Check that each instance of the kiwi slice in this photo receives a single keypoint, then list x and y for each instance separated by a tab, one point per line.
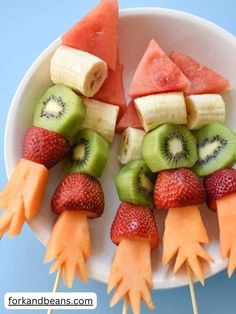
89	155
135	183
169	146
216	146
60	110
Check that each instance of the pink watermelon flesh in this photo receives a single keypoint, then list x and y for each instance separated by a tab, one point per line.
129	119
112	90
203	80
156	73
97	32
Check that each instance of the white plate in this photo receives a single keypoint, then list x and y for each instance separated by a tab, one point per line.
173	30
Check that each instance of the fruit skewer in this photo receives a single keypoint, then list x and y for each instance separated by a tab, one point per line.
61	111
216	150
173	138
181	190
45	144
135	232
77	198
170	150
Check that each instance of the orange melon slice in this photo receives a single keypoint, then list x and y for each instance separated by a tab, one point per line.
226	211
131	274
22	196
69	245
184	231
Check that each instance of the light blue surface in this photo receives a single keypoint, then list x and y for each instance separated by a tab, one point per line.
26	28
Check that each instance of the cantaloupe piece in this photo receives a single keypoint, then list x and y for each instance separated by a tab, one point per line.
184	231
69	245
22	196
226	211
131	274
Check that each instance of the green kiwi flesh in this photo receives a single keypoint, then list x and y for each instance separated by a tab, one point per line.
60	110
216	146
135	183
169	146
89	155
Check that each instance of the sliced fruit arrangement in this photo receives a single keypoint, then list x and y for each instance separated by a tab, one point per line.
154	110
135	232
56	119
203	80
221	197
216	146
169	146
169	95
131	145
182	191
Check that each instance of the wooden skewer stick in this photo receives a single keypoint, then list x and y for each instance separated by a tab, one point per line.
192	290
125	306
56	286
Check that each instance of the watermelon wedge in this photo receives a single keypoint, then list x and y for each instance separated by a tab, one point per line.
97	32
156	73
129	119
203	80
112	90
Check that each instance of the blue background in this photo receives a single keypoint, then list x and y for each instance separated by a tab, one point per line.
26	28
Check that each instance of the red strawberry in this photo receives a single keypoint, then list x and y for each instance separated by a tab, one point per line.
178	188
44	147
79	191
218	184
134	221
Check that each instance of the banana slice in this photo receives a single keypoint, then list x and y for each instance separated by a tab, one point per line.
154	110
78	69
131	145
204	109
100	117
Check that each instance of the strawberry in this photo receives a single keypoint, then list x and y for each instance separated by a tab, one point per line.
134	221
44	147
218	184
79	191
178	188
